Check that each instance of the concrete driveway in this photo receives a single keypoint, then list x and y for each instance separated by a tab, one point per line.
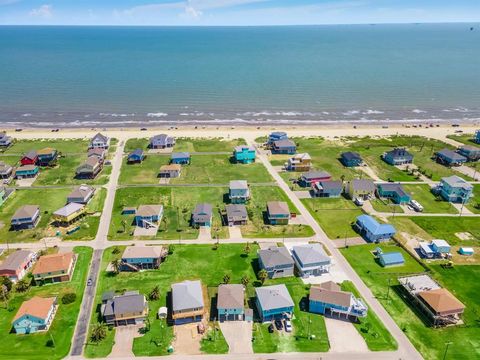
238	335
344	337
124	336
187	339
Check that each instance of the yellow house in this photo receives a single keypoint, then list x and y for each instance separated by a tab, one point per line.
69	213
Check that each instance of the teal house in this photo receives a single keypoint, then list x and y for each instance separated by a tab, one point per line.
273	303
477	137
454	189
26	171
395	192
35	315
231	302
398	156
182	158
244	154
238	192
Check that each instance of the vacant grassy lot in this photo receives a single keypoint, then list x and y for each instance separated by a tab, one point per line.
430	203
334	215
11	160
325	156
204	169
258	226
386	206
371	327
34	346
474	204
64	173
464	139
190	145
178	202
49	201
64	146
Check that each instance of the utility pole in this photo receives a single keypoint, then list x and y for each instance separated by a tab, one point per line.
447	344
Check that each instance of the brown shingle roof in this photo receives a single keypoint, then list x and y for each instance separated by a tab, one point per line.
330	285
52	263
277	207
341	298
230	296
45	151
441	300
36	306
26	211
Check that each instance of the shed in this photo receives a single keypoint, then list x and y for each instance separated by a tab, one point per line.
162	312
466	251
391	259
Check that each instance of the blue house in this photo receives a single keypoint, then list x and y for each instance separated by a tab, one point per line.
136	258
392	191
231	302
273	302
5	140
277	261
372	230
276	136
398	156
390	258
477	137
437	248
148	215
182	158
472	153
239	192
351	159
454	189
285	146
329	189
278	213
35	315
136	156
449	158
46	156
328	299
26	171
244	154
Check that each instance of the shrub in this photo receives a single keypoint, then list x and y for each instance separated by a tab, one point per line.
69	298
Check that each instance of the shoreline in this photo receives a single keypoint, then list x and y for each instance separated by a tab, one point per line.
248	132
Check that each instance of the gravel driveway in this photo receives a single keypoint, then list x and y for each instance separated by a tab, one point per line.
238	335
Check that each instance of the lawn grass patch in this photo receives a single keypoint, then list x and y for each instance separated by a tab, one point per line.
144	173
178	202
33	346
334	215
386	206
474	203
467	139
258	226
207	145
431	203
447	227
64	146
214	342
371	328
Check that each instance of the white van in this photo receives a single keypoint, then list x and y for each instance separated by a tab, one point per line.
416	206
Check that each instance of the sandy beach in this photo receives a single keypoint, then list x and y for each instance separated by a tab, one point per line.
248	133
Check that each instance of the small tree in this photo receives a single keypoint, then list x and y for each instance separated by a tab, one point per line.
99	332
245	281
124	225
22	286
155	293
4	295
7	282
226	279
171	249
116	250
69	298
262	275
116	265
247	248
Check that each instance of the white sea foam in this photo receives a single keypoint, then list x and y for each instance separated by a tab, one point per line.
372	112
157	114
351	112
26	115
418	111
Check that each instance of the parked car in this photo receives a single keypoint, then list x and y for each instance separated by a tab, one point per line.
279	324
271	328
416	205
358	201
288	326
89	282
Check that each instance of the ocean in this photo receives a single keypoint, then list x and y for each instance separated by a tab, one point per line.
139	76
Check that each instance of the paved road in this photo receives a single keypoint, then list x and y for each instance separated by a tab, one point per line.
81	330
405	347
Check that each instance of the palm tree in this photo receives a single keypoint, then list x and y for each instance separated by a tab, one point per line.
246	249
124	225
4	295
99	332
116	265
262	275
245	281
155	293
22	285
226	279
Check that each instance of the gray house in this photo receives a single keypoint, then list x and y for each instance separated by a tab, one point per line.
274	302
131	308
27	217
161	141
81	194
311	260
236	214
187	302
239	192
99	141
277	261
5	170
202	215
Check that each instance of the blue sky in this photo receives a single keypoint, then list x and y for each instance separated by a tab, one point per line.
235	12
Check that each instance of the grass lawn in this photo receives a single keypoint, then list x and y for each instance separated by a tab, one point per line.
474	204
430	203
325	156
334	215
258	226
64	146
190	145
429	341
214	342
64	173
204	169
371	327
89	224
447	227
178	203
464	139
56	199
386	206
11	160
186	262
33	346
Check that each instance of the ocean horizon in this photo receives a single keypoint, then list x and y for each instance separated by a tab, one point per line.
111	76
